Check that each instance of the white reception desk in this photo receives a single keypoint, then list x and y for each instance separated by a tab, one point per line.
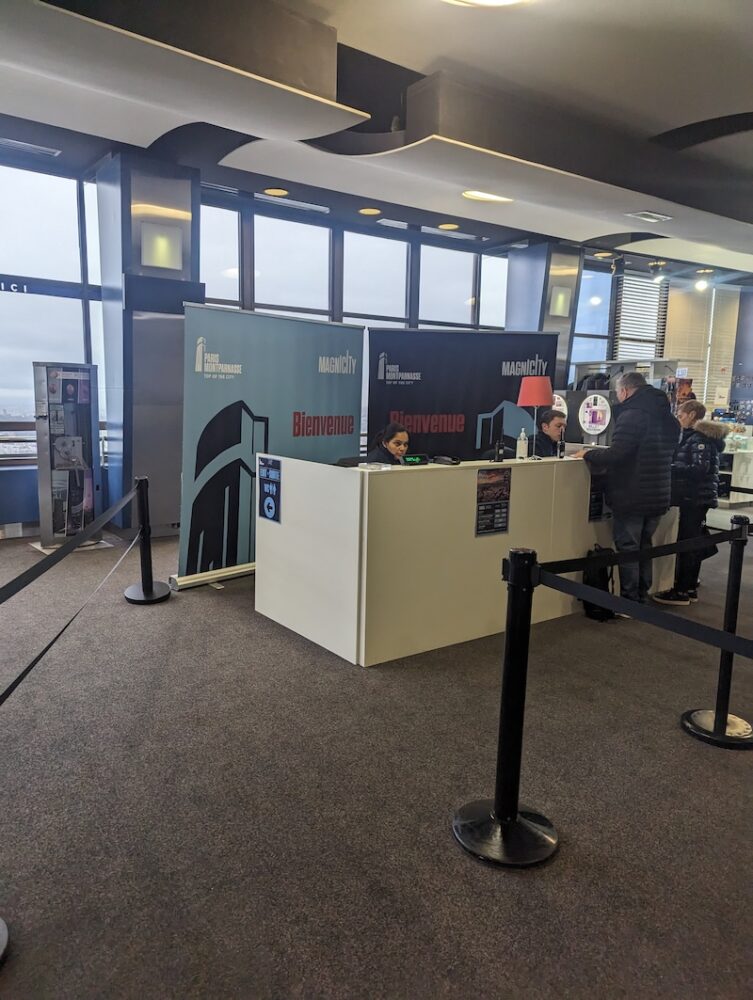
376	564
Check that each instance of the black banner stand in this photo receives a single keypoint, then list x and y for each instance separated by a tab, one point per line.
148	591
718	726
499	830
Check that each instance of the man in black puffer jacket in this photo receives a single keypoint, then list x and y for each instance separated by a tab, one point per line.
638	477
695	488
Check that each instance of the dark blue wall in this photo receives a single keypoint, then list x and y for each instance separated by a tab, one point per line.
18	494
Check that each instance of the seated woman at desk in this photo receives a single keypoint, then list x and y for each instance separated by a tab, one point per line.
390	445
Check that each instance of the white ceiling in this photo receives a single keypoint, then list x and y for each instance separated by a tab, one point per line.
61	49
649	65
433	173
646	65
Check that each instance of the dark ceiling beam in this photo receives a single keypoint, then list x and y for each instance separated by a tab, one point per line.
696	133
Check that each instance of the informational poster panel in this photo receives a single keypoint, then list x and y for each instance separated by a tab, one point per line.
256	383
493	501
67	425
270	488
456	393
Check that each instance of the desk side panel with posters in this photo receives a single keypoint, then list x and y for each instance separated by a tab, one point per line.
308	562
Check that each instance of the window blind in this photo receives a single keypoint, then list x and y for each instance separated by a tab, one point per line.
640	318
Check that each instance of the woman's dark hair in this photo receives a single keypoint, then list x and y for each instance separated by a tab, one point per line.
388	433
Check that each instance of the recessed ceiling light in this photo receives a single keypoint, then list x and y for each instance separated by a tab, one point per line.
701	286
276	192
485	196
601	254
369	211
595	300
448	226
705	270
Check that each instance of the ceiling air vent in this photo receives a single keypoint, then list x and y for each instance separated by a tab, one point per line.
28	148
649	216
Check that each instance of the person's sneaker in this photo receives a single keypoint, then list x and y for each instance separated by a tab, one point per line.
693	596
672	597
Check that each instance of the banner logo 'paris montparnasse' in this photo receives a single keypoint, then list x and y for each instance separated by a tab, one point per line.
210	366
393	375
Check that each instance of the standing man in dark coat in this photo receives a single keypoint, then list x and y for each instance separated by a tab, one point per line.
638	473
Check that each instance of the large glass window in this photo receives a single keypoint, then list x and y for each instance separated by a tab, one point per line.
493	291
446	285
291	262
98	353
91	215
592	316
587	349
375	275
219	253
38	225
34	328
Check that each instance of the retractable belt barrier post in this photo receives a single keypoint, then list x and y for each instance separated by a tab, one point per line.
499	830
718	726
149	591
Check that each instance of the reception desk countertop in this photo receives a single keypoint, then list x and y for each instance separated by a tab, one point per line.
381	562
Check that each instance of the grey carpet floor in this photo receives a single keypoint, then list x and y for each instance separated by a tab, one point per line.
195	802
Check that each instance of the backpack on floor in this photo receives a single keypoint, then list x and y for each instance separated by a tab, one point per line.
599	577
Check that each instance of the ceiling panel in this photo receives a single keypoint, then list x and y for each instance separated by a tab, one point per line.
433	173
54	102
703	254
644	65
62	47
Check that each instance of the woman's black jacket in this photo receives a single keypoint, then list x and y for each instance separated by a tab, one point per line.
381	455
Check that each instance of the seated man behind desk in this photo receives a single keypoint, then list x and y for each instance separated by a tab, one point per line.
389	446
551	424
638	467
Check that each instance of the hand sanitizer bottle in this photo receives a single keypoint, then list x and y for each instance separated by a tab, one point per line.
521	448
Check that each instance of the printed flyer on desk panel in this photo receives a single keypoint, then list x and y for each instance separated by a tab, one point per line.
255	383
455	392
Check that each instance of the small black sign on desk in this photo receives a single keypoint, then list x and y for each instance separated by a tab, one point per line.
596	509
270	488
492	501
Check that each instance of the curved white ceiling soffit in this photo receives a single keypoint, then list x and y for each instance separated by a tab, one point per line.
703	254
65	105
45	51
433	172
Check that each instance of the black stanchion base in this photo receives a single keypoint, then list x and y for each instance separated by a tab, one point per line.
3	939
527	840
700	723
159	592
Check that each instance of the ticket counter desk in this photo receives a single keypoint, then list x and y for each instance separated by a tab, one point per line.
379	563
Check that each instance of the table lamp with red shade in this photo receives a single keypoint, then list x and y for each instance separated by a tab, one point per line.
535	391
